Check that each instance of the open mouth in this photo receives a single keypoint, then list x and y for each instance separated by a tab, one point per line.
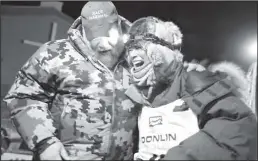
104	51
137	62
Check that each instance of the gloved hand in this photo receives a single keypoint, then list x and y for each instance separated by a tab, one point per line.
4	141
190	66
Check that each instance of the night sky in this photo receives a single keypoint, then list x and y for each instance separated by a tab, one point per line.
215	30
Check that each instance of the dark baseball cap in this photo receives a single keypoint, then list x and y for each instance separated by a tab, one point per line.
98	17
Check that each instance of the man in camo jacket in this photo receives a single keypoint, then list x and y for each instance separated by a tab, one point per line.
68	102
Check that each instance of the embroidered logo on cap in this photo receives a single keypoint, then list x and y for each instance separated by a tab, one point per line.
97	15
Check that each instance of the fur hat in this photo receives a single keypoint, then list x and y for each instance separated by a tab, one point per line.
157	31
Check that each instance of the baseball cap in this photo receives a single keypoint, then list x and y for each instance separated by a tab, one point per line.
98	17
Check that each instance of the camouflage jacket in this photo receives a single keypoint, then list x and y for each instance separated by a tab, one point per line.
64	94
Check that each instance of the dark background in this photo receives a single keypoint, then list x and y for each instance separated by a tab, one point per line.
218	31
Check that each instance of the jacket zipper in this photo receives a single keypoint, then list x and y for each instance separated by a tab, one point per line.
108	150
100	66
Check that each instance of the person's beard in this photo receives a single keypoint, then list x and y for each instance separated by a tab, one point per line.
110	58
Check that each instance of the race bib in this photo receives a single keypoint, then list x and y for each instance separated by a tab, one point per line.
160	129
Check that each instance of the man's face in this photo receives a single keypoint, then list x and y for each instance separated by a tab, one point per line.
108	49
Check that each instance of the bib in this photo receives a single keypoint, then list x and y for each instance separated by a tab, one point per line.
161	128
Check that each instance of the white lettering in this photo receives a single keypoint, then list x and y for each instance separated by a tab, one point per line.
97	16
97	12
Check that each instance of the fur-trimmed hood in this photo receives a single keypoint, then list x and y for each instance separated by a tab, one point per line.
236	74
252	81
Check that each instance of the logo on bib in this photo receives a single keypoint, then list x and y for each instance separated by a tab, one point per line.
155	120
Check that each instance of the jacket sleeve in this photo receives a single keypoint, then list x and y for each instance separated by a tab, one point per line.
229	133
29	98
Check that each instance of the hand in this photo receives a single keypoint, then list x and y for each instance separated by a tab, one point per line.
193	66
55	151
4	140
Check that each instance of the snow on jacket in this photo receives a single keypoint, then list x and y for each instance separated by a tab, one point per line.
63	94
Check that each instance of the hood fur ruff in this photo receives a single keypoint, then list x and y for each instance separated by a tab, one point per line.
233	70
236	74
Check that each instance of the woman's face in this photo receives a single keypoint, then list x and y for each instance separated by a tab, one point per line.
138	59
152	63
141	67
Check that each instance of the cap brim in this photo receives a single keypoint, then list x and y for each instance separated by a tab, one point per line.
99	28
98	31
